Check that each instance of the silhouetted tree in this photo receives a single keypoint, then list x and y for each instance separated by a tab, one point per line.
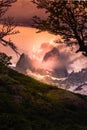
67	18
4	59
7	25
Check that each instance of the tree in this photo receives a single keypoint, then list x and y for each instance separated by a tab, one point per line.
7	25
67	18
4	59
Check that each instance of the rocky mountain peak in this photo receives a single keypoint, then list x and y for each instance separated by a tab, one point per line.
24	63
52	53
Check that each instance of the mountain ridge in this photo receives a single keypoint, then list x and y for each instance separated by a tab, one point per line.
53	52
27	104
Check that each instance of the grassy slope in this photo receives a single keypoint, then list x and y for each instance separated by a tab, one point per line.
26	104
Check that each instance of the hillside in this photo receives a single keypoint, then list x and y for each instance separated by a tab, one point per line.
26	104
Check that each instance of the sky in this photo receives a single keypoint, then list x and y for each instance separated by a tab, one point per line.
37	44
27	39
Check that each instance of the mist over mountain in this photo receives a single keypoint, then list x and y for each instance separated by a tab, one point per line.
24	63
54	53
78	81
75	82
59	70
77	78
51	66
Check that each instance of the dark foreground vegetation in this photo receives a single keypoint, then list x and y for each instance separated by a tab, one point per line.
26	104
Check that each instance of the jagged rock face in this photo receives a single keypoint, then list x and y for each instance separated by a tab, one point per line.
77	78
54	52
24	63
76	82
59	71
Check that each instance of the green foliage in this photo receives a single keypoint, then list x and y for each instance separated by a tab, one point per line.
4	59
3	69
65	18
27	104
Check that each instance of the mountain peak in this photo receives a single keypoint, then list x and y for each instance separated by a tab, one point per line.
53	52
24	63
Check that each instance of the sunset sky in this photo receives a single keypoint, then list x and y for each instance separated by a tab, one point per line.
27	39
30	42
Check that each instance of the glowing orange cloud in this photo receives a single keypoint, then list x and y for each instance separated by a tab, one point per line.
26	40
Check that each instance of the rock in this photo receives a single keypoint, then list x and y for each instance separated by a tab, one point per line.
24	63
59	71
54	52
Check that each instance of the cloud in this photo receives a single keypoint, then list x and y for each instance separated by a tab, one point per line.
38	55
73	61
